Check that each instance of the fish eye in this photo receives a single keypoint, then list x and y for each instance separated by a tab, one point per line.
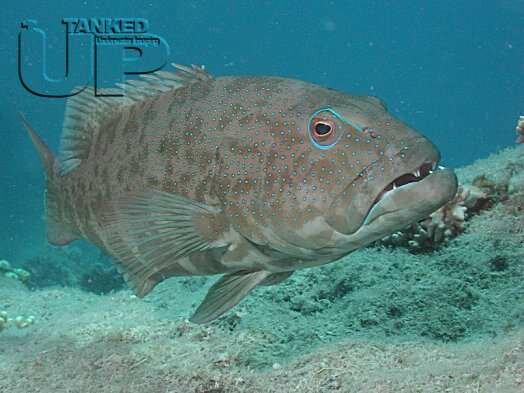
323	128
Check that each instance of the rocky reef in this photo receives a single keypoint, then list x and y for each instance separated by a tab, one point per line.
19	321
474	195
11	272
70	266
446	315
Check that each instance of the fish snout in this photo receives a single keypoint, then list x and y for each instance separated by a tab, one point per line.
405	162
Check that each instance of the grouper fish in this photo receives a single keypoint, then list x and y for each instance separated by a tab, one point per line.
249	177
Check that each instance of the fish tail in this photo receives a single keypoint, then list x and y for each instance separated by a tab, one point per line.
60	230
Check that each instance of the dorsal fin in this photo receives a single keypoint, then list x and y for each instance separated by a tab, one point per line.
85	112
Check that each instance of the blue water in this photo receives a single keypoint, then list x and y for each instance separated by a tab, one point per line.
452	69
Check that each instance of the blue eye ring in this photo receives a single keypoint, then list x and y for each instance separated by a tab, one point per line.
314	120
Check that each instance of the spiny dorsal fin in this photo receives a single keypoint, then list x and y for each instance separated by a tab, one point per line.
81	120
85	112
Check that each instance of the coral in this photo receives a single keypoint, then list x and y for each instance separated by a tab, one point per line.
20	321
501	182
496	190
18	274
448	221
520	130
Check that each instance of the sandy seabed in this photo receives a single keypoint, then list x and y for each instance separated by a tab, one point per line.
381	320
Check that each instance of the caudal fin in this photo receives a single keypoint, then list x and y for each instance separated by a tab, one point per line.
60	229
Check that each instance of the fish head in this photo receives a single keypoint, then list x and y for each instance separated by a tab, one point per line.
335	172
393	179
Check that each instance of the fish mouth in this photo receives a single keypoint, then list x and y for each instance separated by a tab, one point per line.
415	194
417	175
409	183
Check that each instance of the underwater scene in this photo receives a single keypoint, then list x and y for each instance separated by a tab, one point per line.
262	196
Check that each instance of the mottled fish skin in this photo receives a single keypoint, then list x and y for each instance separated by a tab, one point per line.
229	142
243	146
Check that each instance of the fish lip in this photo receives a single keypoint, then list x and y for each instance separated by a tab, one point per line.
425	165
427	168
350	208
443	193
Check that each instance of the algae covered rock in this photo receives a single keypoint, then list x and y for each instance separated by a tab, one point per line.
15	273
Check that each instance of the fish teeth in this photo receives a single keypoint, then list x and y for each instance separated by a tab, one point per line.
394	185
417	173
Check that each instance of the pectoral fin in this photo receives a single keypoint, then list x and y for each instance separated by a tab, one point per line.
226	293
148	233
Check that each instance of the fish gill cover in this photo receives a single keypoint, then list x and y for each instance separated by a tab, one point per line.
266	164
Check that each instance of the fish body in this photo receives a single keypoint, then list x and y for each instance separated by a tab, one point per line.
251	177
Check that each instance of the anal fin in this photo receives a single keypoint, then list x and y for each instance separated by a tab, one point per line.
276	278
227	292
